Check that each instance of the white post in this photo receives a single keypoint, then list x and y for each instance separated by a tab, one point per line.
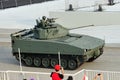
20	59
59	58
7	75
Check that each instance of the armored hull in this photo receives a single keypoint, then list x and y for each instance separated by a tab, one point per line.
40	47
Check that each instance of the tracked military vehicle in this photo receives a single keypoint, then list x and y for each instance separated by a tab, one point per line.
40	46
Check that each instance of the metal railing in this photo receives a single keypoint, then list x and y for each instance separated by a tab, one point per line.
107	75
20	75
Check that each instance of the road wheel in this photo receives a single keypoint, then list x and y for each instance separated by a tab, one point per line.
54	62
72	64
37	61
45	62
64	63
28	61
17	57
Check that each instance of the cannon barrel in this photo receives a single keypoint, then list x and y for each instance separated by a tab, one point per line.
81	27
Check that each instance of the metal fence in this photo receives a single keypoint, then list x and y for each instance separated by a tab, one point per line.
2	75
107	75
20	75
15	3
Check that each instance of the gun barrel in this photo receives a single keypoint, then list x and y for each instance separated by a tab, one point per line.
82	27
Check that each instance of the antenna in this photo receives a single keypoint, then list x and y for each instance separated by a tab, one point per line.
22	74
20	59
59	58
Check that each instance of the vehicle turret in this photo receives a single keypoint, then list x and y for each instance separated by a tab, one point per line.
48	29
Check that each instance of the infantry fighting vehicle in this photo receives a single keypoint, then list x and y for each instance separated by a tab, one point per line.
40	46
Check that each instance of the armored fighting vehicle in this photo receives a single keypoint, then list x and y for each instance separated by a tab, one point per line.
39	47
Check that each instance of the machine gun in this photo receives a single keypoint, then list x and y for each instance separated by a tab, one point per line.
47	23
51	20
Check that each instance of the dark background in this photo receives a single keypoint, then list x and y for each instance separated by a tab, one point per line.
15	3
